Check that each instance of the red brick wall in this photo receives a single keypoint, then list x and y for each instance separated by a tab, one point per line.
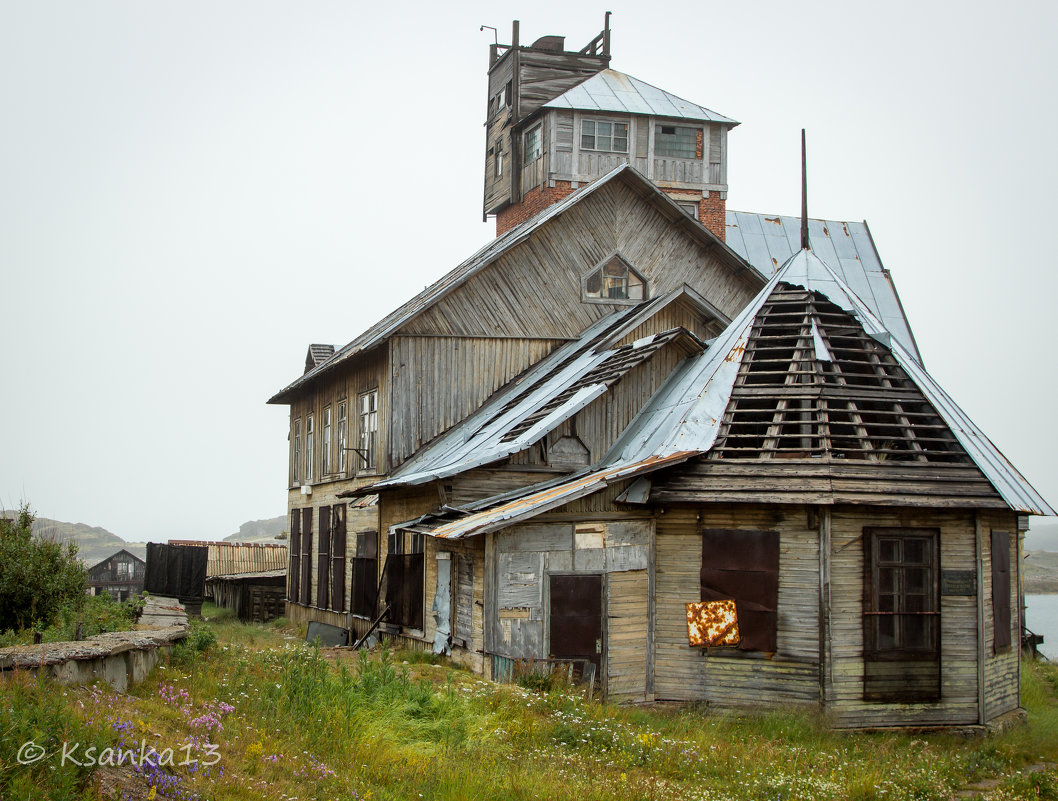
536	200
711	214
710	210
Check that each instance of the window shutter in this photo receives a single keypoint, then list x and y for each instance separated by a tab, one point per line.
338	559
744	566
1001	590
295	556
323	558
306	556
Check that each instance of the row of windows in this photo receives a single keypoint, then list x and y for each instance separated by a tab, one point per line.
333	450
606	136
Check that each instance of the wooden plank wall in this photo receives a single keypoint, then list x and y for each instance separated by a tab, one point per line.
362	374
958	704
725	677
525	555
534	289
472	549
438	381
1002	676
627	633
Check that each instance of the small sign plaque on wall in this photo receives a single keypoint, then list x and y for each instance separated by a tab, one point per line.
958	582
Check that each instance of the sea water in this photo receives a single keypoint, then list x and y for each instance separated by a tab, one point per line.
1041	617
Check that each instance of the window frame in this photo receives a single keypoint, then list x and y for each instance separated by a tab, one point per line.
588	297
310	444
663	148
368	439
899	671
325	442
595	135
343	432
296	474
533	144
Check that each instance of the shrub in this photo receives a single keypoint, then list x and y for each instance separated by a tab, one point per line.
37	576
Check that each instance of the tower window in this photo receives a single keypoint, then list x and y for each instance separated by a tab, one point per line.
499	163
611	137
677	142
614	280
532	145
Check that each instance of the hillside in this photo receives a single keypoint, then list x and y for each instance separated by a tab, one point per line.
1040	572
256	530
94	543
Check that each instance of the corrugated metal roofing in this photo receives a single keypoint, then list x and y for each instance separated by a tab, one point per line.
683	418
615	91
768	241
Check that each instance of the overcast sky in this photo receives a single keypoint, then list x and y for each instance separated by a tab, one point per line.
192	192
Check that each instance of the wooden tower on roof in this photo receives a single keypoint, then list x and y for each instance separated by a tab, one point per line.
558	119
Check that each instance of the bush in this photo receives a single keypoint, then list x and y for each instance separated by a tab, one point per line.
38	577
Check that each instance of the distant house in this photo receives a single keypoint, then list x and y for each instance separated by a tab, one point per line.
651	435
120	575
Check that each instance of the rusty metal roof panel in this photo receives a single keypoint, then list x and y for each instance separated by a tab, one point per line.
617	92
768	241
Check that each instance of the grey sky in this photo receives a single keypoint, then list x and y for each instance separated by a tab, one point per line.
191	193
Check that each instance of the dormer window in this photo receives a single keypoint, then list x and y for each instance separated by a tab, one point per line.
614	280
532	145
611	137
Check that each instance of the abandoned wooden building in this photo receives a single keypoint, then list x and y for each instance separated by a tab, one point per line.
120	575
659	437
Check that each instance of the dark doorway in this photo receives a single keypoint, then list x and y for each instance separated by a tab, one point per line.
576	619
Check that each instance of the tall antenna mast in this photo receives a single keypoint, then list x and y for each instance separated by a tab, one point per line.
805	244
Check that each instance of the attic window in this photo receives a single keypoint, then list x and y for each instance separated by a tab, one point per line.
614	280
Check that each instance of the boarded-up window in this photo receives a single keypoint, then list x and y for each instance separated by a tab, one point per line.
338	557
293	592
402	588
1001	590
743	566
464	599
323	559
365	574
306	556
901	615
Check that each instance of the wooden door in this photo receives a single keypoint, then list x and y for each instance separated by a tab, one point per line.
575	617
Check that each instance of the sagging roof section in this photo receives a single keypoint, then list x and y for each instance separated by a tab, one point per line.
392	322
617	92
684	417
550	392
768	241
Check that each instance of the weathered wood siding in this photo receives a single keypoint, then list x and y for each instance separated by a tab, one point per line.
534	289
1002	669
627	635
438	381
725	677
523	556
959	643
367	372
468	598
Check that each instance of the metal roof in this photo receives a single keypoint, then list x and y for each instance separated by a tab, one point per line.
683	418
768	241
615	91
550	392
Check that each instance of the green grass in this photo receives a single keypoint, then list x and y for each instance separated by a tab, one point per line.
291	721
95	614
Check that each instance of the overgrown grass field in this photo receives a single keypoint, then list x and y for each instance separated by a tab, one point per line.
282	720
